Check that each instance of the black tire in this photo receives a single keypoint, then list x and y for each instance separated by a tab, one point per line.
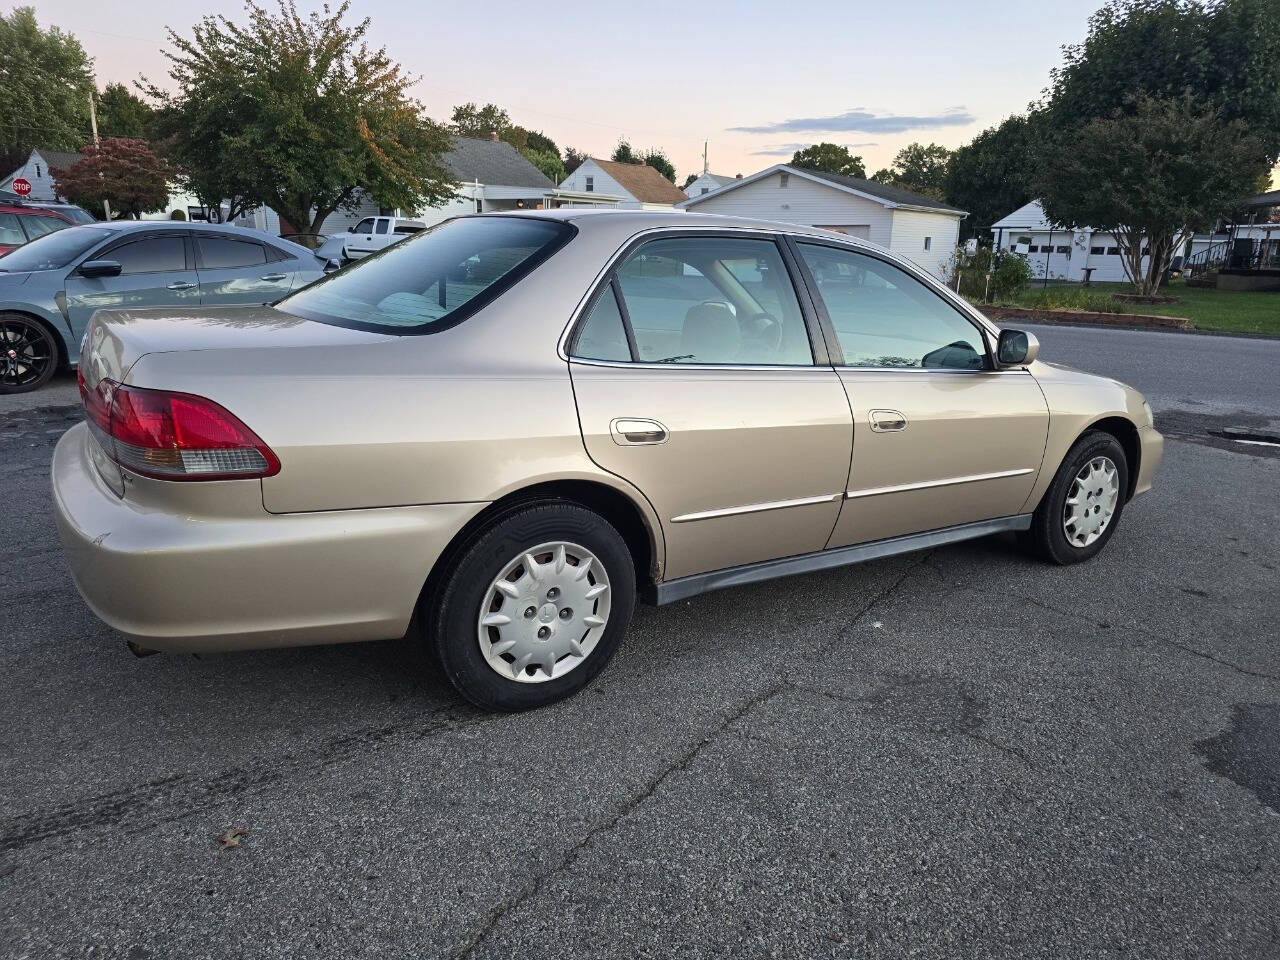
28	353
1048	536
453	630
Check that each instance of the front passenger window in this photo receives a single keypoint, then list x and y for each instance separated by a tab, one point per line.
152	255
884	317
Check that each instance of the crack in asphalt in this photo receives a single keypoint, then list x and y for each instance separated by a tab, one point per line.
682	763
1101	624
166	799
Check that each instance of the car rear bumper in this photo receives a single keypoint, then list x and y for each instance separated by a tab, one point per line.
183	581
1151	445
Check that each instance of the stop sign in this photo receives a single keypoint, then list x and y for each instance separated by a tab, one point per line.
21	186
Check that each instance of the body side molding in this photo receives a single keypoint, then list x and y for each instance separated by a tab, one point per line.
682	587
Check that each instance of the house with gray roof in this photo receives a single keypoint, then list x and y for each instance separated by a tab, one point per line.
707	182
919	228
38	171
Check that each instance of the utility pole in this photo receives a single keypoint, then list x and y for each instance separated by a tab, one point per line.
93	122
705	168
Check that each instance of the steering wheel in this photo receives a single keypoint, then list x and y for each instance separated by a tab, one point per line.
762	330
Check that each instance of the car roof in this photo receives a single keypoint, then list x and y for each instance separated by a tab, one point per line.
605	220
135	226
31	208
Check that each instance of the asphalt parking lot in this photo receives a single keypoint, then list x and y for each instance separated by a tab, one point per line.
957	753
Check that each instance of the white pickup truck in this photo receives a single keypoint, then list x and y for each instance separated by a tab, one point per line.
373	233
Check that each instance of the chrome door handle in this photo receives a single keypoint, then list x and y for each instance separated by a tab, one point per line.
181	285
273	277
887	421
633	431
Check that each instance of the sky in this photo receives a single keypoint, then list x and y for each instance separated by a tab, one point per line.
755	81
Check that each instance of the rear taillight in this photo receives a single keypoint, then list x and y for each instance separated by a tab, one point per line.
173	436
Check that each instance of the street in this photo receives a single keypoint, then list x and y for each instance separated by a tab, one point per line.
963	752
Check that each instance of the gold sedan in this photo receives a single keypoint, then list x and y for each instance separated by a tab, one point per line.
510	426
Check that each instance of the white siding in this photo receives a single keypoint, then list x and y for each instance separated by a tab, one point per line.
601	182
910	227
802	201
704	184
36	171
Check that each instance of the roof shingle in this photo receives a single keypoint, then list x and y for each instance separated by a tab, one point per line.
494	162
642	181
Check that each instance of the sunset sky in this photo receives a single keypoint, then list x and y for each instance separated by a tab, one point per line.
754	80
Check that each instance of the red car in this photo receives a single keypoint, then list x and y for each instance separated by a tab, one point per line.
20	223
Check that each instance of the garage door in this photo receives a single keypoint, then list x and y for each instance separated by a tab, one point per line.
861	230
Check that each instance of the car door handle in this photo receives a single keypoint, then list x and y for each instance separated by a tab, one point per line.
182	285
628	431
273	277
888	421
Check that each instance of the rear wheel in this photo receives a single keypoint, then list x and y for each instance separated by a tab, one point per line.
534	607
1082	507
28	353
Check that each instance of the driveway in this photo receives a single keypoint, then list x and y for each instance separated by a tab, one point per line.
957	753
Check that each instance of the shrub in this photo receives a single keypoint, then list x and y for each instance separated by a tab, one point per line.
1009	278
177	215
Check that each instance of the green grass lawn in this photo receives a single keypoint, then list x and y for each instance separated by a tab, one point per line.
1206	308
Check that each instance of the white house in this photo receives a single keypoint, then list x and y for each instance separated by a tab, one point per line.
1060	253
707	182
919	228
491	174
36	171
637	185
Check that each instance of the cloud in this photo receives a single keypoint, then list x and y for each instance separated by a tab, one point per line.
860	120
786	149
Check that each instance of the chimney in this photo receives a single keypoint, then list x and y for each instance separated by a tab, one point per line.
493	135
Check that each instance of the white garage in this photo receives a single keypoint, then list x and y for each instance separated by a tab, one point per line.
919	228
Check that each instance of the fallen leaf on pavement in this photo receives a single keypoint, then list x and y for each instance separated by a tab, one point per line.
232	838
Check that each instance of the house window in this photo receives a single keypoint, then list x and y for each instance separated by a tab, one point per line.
1065	248
928	243
706	189
1033	249
783	180
1098	250
591	184
39	175
1113	251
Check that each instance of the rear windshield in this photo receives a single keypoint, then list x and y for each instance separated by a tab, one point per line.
77	214
433	280
53	251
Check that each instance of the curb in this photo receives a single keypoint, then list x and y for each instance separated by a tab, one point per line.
1087	318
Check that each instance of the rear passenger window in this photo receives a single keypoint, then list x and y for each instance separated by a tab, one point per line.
714	300
884	317
219	253
602	335
153	255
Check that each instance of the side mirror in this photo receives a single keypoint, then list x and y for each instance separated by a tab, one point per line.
332	265
351	229
1017	348
100	268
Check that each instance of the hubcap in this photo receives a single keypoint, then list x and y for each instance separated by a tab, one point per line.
544	612
1091	502
25	352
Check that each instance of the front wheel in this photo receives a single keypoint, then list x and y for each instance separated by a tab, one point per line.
534	607
1082	507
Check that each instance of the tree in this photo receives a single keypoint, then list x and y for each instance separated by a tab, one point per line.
658	160
47	80
920	169
829	158
482	122
546	161
653	157
1227	53
300	114
992	175
688	180
573	159
121	113
1149	173
623	153
124	171
537	140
